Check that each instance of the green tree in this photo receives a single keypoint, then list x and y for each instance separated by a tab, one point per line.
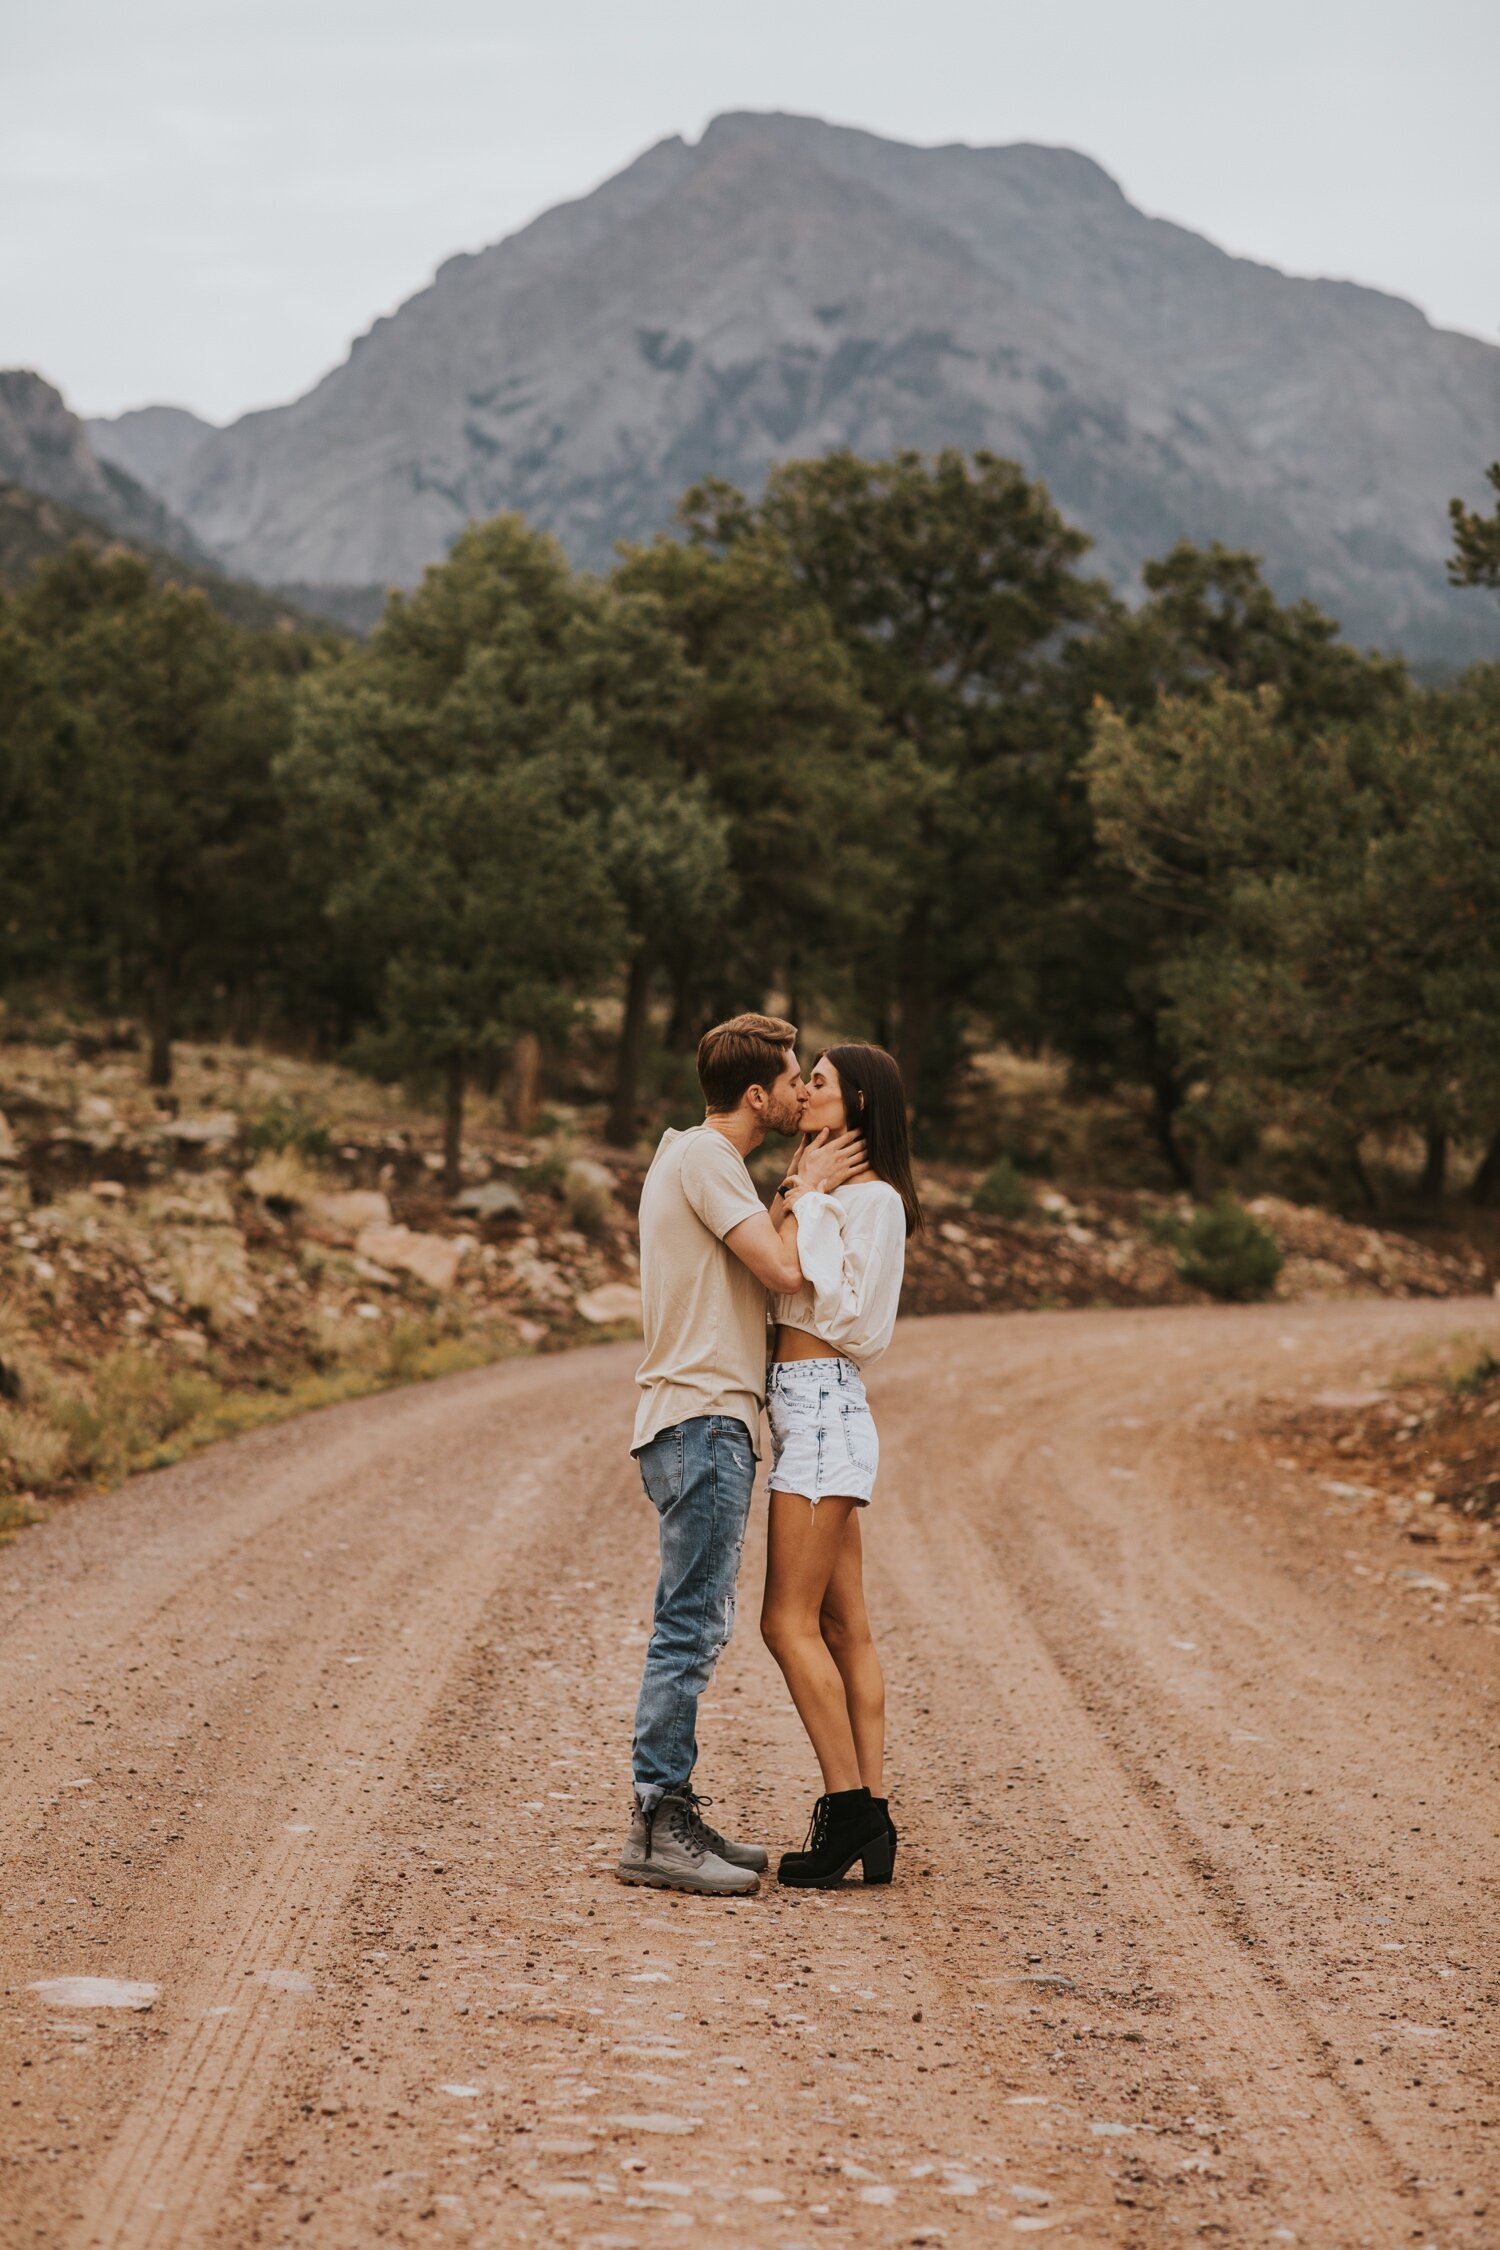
950	582
1209	622
447	789
143	730
1476	540
488	901
1335	903
773	726
666	850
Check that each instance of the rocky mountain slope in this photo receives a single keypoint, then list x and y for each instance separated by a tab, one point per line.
149	443
35	530
45	449
56	489
785	286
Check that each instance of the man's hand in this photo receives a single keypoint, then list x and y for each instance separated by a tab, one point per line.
827	1162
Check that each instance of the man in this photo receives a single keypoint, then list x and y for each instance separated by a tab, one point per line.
710	1252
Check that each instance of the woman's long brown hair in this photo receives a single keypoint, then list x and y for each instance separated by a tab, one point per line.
875	1105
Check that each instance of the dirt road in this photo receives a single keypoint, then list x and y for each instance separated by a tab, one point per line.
1194	1928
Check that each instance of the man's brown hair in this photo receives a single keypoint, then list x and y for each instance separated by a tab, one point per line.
747	1051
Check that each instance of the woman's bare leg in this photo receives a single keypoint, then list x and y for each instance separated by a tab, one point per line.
802	1549
846	1631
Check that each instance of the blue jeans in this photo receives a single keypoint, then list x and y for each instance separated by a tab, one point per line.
698	1477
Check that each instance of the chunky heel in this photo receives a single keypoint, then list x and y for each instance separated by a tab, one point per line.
879	1860
883	1807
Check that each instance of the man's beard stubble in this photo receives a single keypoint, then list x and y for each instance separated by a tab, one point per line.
785	1116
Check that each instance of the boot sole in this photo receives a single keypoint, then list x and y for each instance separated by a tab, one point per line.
655	1881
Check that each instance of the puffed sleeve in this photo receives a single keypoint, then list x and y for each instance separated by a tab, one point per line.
853	1268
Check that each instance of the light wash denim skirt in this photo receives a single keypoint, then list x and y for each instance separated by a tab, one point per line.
824	1443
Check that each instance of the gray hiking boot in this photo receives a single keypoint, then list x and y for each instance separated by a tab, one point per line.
669	1848
738	1855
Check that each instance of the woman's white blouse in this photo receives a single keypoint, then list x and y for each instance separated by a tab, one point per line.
852	1250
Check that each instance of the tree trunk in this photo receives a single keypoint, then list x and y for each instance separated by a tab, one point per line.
1166	1101
1435	1170
244	1014
1362	1179
682	1024
1484	1188
620	1130
525	1082
915	1008
159	1024
794	992
453	1126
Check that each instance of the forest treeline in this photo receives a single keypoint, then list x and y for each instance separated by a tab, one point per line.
877	743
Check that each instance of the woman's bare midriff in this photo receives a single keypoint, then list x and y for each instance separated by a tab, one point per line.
796	1343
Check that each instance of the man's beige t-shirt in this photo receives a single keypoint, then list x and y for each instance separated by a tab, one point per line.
704	1312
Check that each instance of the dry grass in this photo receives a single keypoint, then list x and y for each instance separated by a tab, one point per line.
35	1449
211	1278
284	1176
135	1414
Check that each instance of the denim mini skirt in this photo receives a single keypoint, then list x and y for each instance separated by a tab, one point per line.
824	1443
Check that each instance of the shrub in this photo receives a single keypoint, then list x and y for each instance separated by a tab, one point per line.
547	1174
405	1348
287	1125
35	1450
1028	1143
1469	1381
589	1195
111	1426
207	1280
22	1366
1227	1251
1003	1193
285	1181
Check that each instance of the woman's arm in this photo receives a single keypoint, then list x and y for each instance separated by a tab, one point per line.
854	1268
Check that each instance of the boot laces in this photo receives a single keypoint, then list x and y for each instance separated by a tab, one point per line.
818	1826
696	1810
683	1820
695	1828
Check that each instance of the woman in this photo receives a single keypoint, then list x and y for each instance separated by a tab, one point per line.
852	1250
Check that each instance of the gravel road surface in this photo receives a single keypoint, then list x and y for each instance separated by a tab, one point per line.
314	1750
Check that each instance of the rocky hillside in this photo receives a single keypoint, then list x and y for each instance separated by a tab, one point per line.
149	443
35	530
786	286
57	487
274	1234
46	450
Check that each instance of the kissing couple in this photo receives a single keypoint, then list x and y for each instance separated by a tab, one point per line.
821	1269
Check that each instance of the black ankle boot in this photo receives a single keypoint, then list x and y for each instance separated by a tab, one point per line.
846	1826
883	1805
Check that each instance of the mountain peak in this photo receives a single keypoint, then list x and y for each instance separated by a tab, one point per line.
786	285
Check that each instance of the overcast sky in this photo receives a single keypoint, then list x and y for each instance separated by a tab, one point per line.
206	200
